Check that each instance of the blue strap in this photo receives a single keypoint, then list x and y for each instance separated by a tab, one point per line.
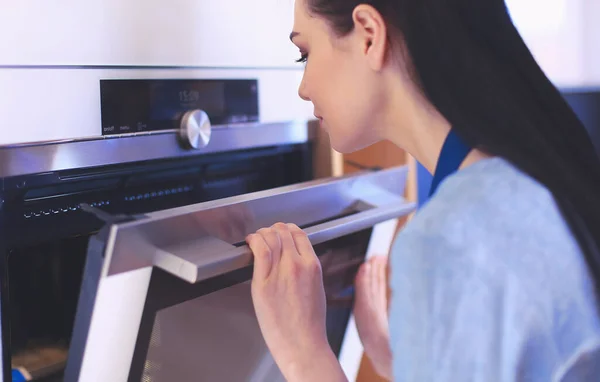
453	153
17	376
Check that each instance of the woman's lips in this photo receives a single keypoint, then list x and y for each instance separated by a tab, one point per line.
317	116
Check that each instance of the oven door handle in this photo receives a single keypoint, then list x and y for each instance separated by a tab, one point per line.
218	258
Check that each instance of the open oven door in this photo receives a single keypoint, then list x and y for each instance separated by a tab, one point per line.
166	296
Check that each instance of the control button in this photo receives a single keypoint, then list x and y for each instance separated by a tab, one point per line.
195	129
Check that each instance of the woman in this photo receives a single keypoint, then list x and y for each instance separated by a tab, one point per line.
496	277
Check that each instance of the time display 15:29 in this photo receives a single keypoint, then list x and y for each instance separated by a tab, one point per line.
189	96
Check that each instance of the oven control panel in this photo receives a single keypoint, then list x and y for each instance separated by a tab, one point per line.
195	129
150	105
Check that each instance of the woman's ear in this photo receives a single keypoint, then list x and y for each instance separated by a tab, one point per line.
371	33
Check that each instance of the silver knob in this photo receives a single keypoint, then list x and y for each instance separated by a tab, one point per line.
195	129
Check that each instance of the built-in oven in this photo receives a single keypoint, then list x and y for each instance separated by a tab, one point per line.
166	295
45	232
122	255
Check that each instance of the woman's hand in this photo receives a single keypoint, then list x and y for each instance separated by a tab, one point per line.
289	300
371	314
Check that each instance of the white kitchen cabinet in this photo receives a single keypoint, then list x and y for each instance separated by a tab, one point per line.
563	36
199	33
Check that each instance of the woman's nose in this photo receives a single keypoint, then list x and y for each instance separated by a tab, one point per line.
302	90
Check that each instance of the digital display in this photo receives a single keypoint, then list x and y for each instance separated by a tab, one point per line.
130	106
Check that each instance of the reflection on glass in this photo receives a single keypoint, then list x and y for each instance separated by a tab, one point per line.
212	338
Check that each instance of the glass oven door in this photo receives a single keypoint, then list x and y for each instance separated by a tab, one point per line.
166	296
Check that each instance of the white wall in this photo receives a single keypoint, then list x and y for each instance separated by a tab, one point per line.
563	36
592	40
147	32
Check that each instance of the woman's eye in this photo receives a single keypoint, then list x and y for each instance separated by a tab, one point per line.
303	58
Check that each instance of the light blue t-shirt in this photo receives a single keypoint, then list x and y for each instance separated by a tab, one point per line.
488	284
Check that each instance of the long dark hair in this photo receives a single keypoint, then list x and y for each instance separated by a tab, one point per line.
473	66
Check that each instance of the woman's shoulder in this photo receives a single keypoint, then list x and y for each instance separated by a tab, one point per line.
489	197
492	222
492	218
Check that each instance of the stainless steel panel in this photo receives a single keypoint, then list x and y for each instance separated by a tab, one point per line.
199	241
39	157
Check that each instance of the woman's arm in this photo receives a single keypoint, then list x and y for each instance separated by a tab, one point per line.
315	367
289	300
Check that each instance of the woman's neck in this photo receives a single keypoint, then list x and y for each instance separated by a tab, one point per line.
420	130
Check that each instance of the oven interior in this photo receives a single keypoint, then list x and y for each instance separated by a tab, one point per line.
46	233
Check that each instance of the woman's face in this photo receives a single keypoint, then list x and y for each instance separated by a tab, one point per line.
339	80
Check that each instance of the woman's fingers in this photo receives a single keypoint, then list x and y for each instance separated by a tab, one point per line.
288	248
263	256
271	237
279	241
301	241
373	287
382	278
